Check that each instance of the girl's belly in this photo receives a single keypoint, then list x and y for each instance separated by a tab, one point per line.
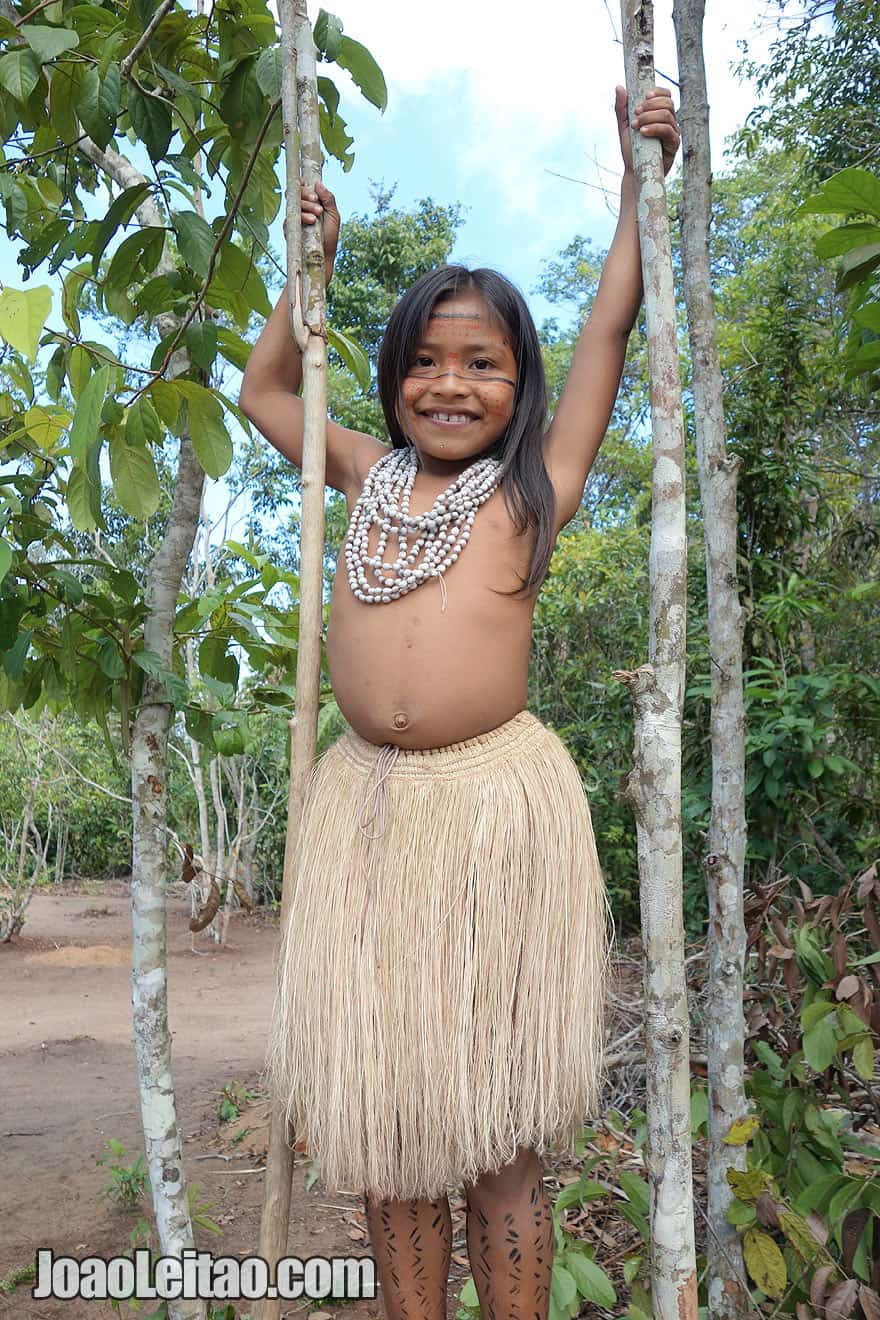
407	673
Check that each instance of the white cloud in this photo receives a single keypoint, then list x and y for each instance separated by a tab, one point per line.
538	90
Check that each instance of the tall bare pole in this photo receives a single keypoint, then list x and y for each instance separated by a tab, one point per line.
726	938
654	785
305	282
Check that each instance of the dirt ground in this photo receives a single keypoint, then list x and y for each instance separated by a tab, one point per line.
68	1085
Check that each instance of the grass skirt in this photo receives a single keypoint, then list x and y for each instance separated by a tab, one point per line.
441	975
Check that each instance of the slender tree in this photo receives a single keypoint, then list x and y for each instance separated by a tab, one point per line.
726	936
307	302
654	785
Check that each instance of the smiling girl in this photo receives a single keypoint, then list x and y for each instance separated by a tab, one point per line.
438	1018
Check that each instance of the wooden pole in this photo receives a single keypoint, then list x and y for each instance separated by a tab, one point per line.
724	864
654	785
305	282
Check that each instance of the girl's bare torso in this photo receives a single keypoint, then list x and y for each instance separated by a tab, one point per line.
408	672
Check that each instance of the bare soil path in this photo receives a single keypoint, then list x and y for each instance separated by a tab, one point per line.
68	1085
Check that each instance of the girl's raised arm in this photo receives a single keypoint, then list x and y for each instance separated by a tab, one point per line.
269	393
581	419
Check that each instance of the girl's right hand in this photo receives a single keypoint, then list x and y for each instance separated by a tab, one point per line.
314	202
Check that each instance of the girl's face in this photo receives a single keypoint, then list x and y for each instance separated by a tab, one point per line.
457	396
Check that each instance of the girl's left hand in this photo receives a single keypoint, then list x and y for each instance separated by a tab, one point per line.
655	117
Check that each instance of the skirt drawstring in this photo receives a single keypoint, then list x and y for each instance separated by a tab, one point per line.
375	790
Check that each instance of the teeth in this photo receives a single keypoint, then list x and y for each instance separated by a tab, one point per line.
449	417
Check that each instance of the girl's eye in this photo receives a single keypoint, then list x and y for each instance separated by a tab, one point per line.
483	362
422	361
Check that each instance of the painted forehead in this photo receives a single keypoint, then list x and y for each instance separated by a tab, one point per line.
489	325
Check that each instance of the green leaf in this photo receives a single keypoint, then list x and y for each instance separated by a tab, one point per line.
852	190
352	355
863	1058
109	659
869	317
23	314
235	349
79	501
195	238
48	42
151	120
5	558
858	264
738	1213
592	1281
837	241
87	417
268	70
335	138
820	1045
562	1287
636	1190
19	73
765	1262
201	340
328	34
122	208
770	1059
142	425
363	68
134	476
748	1186
206	427
98	103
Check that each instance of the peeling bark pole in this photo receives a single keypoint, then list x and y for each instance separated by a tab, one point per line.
726	938
305	282
654	785
149	764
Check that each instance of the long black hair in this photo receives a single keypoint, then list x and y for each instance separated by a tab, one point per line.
528	493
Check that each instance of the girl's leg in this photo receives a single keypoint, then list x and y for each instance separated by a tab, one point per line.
412	1244
510	1240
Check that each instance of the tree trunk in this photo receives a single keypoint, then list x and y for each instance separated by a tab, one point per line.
726	937
149	754
306	291
654	785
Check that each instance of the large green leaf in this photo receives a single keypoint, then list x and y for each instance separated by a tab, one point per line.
48	42
840	240
195	238
592	1281
23	313
352	355
135	479
354	57
852	191
88	415
98	103
335	138
268	70
151	120
142	424
328	34
121	210
207	430
79	501
19	73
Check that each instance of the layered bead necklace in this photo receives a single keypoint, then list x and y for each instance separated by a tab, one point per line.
443	531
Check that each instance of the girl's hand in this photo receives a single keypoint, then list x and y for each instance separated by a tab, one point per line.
655	117
314	202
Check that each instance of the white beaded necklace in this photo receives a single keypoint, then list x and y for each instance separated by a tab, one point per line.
445	529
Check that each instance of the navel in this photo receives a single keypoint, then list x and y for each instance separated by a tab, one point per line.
400	720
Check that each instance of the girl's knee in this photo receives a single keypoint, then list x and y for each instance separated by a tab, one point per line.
522	1173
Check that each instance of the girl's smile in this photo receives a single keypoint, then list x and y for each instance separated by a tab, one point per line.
460	386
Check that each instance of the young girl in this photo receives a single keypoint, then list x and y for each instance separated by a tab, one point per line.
438	1019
